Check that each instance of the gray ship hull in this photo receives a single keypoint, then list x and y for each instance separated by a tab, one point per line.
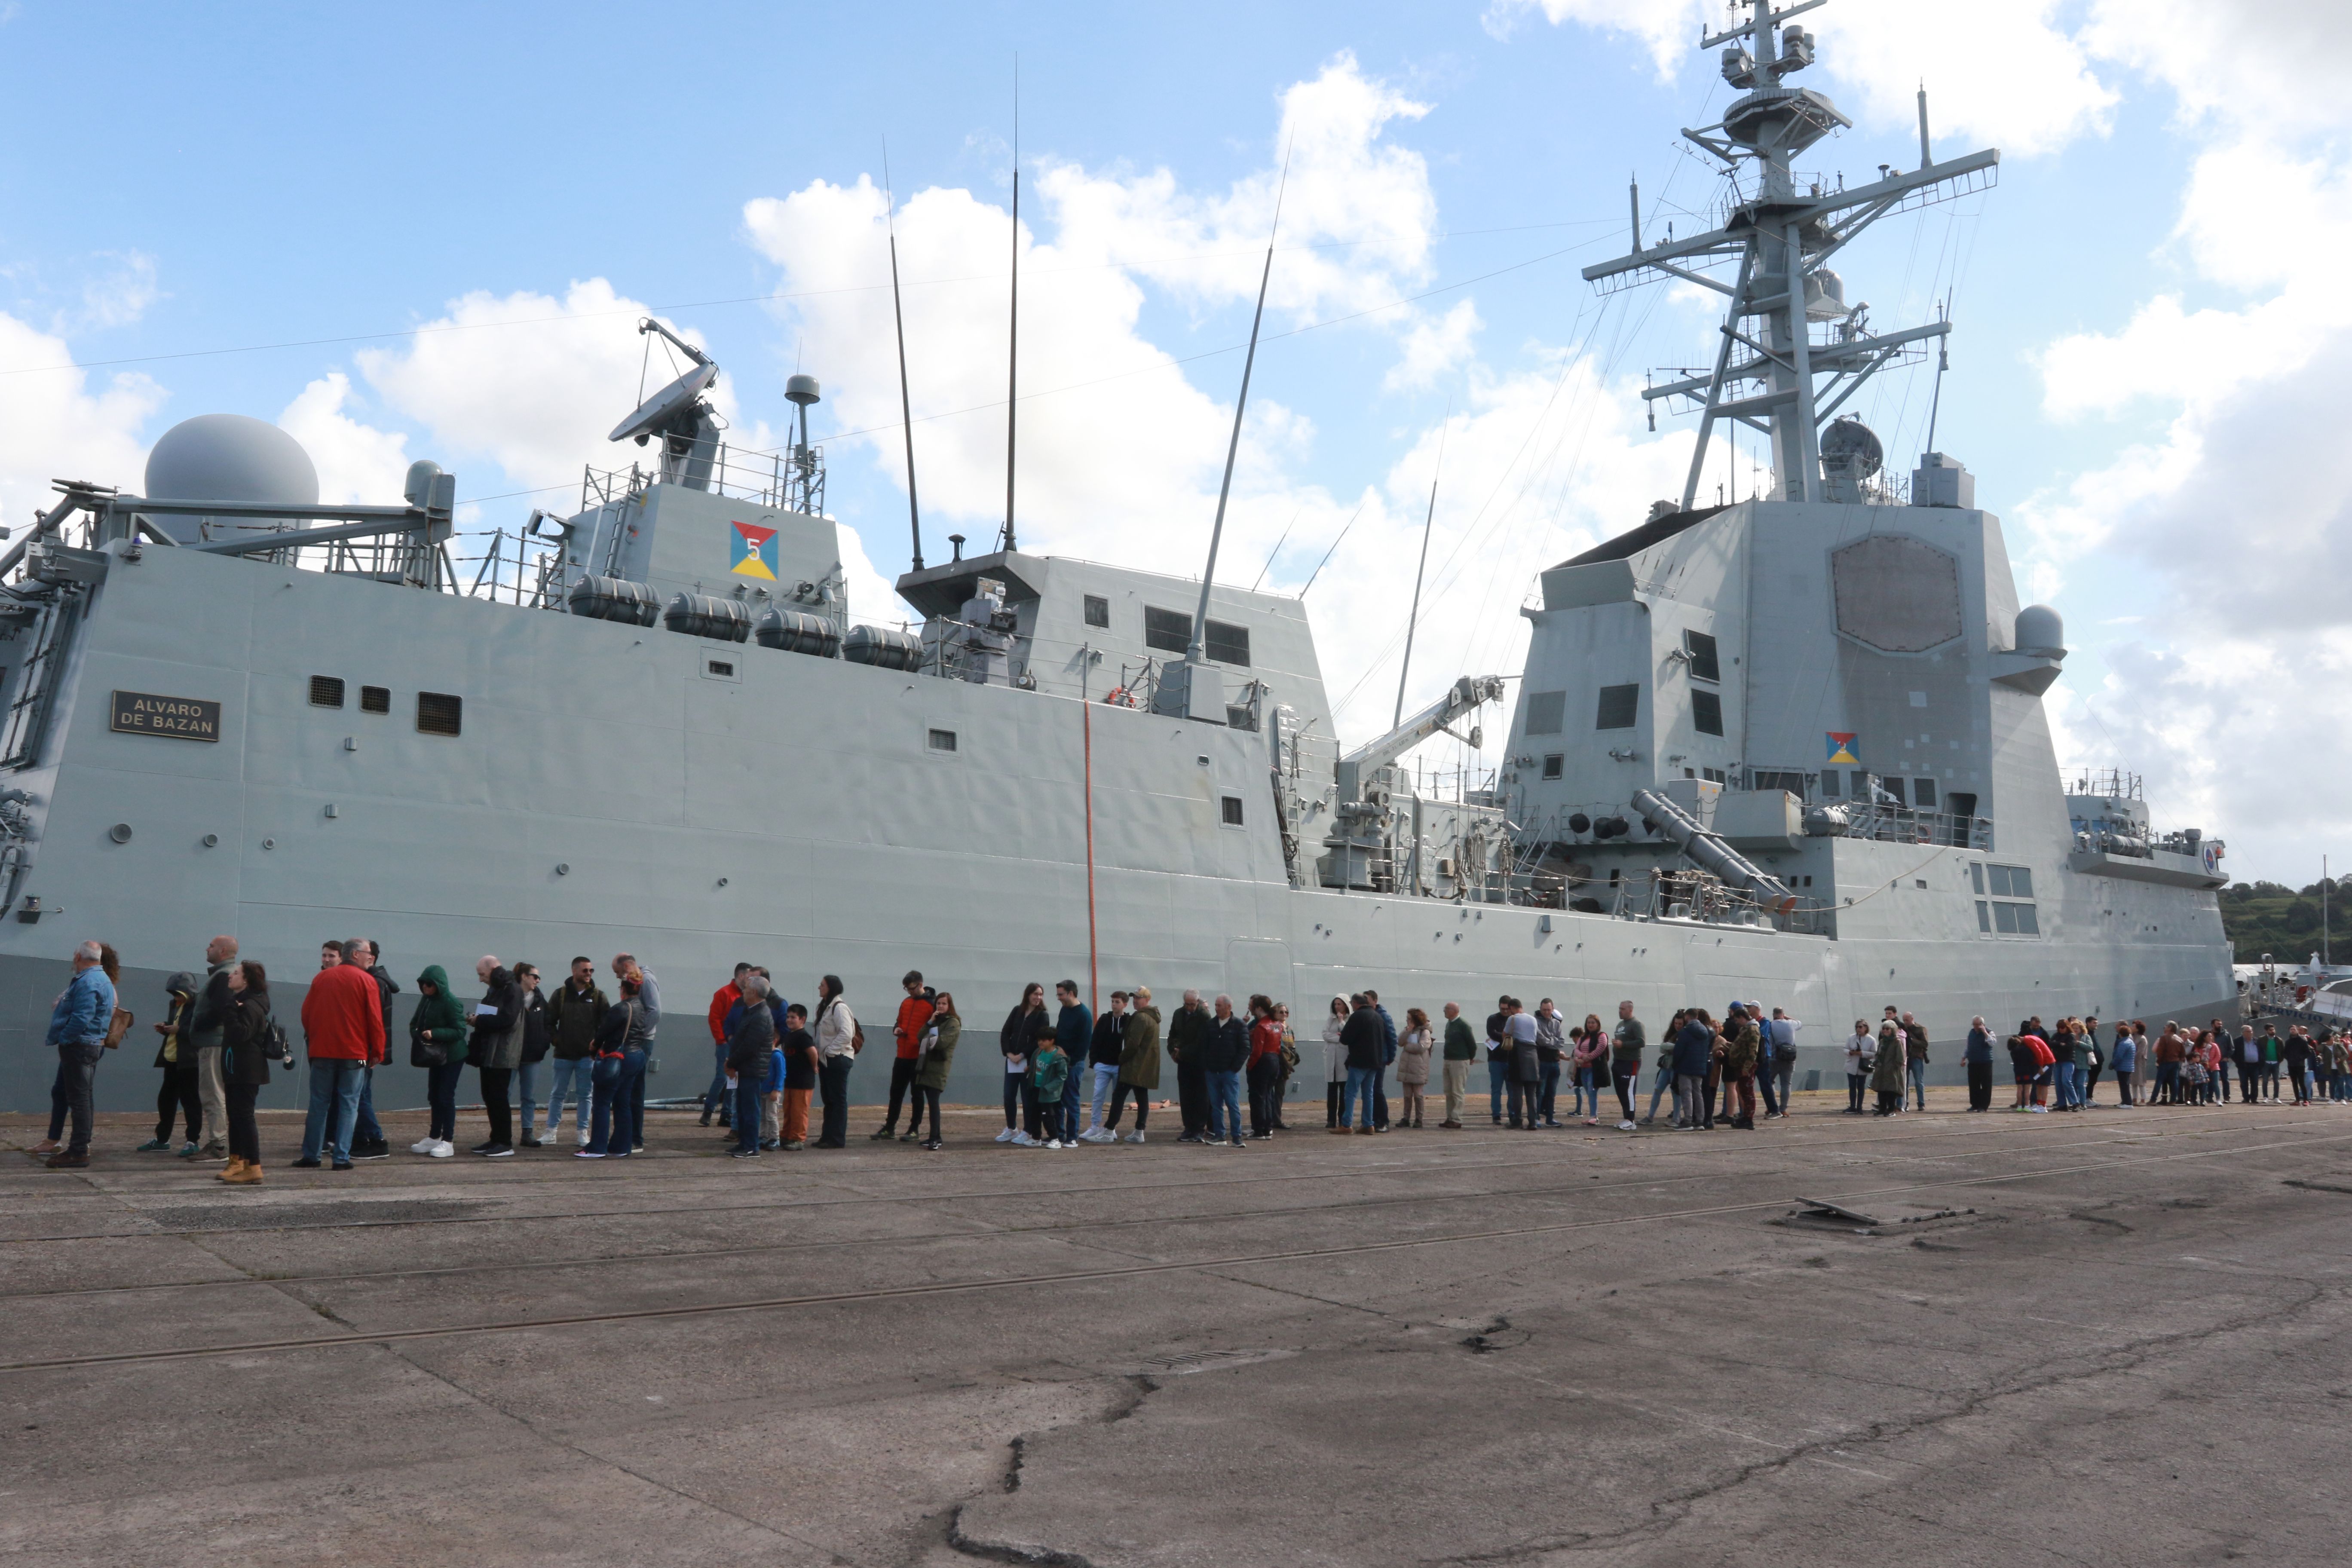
608	792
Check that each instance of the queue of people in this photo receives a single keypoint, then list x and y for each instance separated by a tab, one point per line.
1069	1076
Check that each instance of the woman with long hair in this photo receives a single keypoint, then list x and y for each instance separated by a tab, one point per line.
939	1044
1335	1060
835	1028
1264	1073
1026	1028
244	1067
1589	1060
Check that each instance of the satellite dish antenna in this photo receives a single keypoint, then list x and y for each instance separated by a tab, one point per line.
678	414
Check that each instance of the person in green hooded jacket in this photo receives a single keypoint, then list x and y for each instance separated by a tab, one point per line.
1049	1068
935	1053
436	1042
1138	1065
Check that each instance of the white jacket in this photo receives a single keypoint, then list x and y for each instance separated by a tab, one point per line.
835	1031
1335	1055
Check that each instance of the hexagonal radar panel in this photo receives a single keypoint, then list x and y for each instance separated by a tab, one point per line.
1895	594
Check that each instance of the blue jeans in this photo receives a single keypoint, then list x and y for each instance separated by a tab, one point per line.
72	1093
715	1097
620	1103
1547	1092
1660	1090
1225	1105
1358	1090
1105	1076
365	1128
1588	1092
1918	1075
334	1091
526	1079
576	1078
1498	1073
2066	1093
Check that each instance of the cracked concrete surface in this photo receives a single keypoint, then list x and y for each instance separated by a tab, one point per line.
1595	1350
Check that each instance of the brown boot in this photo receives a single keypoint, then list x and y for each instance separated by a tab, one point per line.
241	1173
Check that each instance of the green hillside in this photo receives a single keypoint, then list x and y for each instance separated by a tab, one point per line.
2264	917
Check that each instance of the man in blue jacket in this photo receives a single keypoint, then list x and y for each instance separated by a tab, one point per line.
1694	1051
1073	1031
78	1026
1388	1058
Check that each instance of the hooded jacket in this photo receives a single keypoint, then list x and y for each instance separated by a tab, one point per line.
436	1020
176	1050
1138	1062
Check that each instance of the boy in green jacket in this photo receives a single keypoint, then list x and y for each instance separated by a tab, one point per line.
1050	1070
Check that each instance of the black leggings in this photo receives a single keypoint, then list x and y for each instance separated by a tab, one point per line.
179	1093
925	1100
244	1137
1853	1082
1021	1101
1627	1082
494	1102
1119	1099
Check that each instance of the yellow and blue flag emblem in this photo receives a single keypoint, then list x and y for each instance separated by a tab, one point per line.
1841	741
755	550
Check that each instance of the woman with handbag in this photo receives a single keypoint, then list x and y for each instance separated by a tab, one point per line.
248	1038
1414	1047
436	1042
609	1118
1589	1060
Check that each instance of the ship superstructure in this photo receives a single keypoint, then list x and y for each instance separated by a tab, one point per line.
1790	749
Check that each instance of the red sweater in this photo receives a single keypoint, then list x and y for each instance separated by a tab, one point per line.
342	1015
914	1016
723	1002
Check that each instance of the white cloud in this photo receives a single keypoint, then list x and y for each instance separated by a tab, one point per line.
356	462
115	296
1432	348
2275	64
531	383
58	427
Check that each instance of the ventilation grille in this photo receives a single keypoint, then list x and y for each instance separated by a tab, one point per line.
375	699
326	691
438	713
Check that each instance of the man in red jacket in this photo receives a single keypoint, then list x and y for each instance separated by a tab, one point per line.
914	1017
723	1002
343	1032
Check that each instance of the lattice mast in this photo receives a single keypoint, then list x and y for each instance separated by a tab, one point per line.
1781	228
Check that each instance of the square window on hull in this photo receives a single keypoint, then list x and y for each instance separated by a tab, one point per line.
375	699
1706	712
326	691
1619	706
440	713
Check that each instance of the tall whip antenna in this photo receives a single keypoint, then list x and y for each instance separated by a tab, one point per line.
1013	351
898	318
1414	620
1199	648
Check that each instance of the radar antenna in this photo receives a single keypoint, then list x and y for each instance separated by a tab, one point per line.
680	416
1782	229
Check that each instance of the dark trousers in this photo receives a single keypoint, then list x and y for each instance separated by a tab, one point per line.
604	1079
1547	1092
833	1083
1525	1095
244	1137
441	1098
746	1095
1380	1095
1049	1113
1192	1100
715	1097
1331	1102
926	1100
1853	1086
1628	1079
1266	1092
366	1127
1119	1094
494	1105
71	1096
1980	1086
1773	1103
902	1086
1021	1102
180	1094
2249	1083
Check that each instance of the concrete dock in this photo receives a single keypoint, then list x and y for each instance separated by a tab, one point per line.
2110	1337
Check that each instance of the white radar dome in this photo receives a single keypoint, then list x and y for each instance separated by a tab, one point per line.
2040	630
229	457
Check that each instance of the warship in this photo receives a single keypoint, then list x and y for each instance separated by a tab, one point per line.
1791	749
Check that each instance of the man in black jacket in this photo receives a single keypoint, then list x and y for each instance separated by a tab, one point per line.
573	1016
1226	1050
1188	1042
534	1049
1363	1038
495	1049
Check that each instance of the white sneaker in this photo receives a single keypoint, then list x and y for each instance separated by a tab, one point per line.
1006	1136
1051	1143
442	1149
1624	1127
1134	1137
1021	1138
424	1145
583	1138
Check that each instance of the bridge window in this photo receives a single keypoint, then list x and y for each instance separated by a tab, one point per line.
1169	631
1703	665
1547	712
1706	712
1097	610
1619	706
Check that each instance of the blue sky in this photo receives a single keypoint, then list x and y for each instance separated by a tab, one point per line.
178	180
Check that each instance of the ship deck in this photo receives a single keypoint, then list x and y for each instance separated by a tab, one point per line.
2111	1337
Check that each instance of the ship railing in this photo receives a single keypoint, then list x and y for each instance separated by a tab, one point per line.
2108	784
1695	896
791	479
1899	824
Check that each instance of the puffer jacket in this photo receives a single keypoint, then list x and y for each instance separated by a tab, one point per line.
939	1044
439	1018
497	1041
